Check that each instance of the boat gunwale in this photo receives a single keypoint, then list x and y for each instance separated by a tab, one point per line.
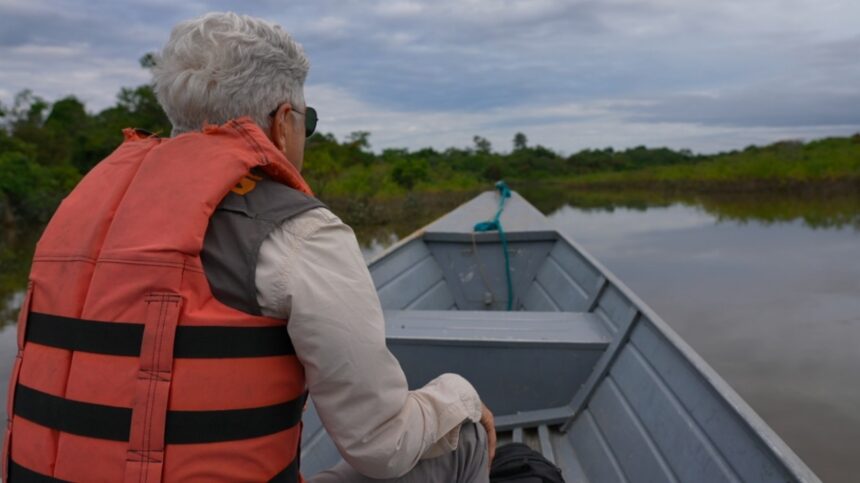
796	466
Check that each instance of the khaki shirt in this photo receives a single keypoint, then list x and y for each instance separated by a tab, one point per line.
311	271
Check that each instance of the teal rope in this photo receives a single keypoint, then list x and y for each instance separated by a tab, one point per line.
496	225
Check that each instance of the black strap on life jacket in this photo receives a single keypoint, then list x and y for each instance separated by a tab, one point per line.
183	427
20	474
124	339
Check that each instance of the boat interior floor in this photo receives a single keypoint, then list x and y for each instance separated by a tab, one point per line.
527	367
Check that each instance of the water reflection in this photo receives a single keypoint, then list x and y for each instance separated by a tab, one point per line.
619	223
813	209
16	252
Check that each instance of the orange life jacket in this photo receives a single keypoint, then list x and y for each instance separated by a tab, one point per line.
128	368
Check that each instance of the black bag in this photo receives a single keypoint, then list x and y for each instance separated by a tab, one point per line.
517	463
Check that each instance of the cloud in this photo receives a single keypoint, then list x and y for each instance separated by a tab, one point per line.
570	73
67	70
757	106
567	127
399	9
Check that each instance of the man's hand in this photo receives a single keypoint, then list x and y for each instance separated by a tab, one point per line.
490	426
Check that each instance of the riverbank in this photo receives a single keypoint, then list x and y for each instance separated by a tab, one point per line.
815	204
817	182
823	166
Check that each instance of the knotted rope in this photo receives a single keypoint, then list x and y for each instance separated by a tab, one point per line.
496	225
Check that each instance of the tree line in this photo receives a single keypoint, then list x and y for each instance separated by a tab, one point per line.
45	148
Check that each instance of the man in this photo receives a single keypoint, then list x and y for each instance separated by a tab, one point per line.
151	343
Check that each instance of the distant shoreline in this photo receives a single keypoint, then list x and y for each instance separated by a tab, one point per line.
636	182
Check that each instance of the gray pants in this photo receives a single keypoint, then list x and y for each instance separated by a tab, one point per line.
468	464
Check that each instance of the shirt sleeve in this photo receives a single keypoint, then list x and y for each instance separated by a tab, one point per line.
311	270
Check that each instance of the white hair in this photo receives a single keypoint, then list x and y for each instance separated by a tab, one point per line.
221	66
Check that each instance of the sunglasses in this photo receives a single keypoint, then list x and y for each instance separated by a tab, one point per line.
310	119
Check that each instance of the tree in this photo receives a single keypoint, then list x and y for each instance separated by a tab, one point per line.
407	172
32	191
27	112
64	133
148	60
520	141
359	139
482	145
323	161
67	113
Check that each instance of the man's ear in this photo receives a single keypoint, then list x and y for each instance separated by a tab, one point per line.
279	130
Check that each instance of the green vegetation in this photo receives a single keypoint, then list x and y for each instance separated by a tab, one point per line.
815	208
46	148
16	252
786	164
349	170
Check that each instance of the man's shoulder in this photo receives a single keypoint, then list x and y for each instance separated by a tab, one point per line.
320	214
317	220
264	199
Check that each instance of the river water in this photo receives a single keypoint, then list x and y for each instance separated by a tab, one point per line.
775	309
767	291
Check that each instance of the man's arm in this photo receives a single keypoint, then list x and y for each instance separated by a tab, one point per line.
311	270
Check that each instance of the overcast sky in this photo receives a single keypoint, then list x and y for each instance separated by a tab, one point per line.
702	74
